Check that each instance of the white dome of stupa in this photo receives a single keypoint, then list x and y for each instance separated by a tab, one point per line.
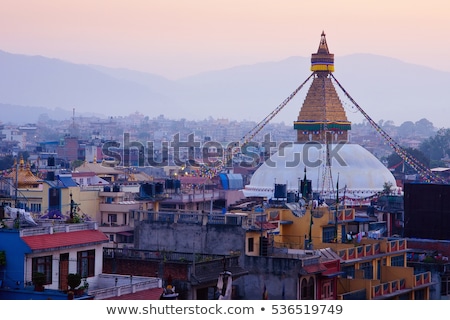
356	171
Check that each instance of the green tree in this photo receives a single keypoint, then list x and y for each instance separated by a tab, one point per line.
399	165
437	147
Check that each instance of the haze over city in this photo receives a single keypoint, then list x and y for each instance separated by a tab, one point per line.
177	39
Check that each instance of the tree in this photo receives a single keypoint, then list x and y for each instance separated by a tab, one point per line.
387	187
424	128
400	166
407	129
438	146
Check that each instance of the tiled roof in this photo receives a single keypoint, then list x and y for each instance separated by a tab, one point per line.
65	239
265	225
315	268
150	294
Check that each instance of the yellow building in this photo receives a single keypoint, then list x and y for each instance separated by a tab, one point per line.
373	268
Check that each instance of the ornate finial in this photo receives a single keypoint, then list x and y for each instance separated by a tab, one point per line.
323	60
22	162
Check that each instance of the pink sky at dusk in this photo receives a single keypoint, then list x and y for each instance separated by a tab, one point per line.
179	38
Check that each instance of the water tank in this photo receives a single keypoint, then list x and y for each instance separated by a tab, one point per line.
159	188
169	184
280	191
306	188
116	188
106	188
147	190
51	161
50	176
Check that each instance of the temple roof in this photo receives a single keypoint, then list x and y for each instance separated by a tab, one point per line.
25	178
98	168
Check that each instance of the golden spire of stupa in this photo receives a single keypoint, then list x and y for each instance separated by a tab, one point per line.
322	117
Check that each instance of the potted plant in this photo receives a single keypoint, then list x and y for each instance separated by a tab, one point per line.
38	279
73	280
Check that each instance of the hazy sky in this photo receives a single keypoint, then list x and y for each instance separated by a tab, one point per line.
179	38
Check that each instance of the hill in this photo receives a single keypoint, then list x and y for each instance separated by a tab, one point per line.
386	88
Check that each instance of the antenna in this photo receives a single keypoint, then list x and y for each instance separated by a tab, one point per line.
73	118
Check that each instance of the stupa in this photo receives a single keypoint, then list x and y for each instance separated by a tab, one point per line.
322	148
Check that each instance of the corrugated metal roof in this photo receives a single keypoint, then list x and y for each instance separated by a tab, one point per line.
68	182
65	239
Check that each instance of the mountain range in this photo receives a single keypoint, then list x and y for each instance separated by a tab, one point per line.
384	88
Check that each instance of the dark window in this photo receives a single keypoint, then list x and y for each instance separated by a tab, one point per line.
250	244
398	261
307	289
328	234
112	218
86	263
349	271
419	294
43	265
445	285
367	268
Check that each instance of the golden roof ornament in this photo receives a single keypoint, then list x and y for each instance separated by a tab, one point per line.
323	60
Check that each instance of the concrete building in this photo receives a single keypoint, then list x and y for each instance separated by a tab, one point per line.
38	260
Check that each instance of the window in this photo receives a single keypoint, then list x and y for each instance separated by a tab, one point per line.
445	285
35	207
307	289
419	294
349	271
398	261
367	268
328	234
112	218
43	265
251	244
86	263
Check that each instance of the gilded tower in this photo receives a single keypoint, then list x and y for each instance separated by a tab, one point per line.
322	118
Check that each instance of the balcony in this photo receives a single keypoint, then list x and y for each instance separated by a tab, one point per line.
400	286
119	207
372	247
387	288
